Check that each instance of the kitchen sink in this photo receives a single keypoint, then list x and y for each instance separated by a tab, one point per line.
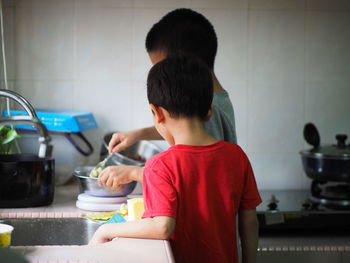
51	231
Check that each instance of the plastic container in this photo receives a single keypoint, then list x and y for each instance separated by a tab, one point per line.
60	120
5	235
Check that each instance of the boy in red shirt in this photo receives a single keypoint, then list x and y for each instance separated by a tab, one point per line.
193	191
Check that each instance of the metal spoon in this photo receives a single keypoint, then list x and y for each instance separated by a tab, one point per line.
98	168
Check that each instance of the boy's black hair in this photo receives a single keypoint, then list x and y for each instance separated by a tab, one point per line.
181	85
184	32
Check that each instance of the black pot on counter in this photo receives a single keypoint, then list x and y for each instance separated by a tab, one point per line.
329	163
26	181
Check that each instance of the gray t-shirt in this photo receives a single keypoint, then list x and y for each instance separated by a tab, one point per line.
222	121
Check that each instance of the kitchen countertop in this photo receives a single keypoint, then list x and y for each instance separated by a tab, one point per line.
121	249
64	201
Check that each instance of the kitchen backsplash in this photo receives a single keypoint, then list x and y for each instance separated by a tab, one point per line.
283	62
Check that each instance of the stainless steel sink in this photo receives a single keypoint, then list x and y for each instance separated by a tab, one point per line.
51	231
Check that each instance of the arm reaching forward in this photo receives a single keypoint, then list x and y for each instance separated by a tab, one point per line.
160	227
122	140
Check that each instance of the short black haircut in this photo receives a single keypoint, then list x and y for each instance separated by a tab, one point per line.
181	85
184	32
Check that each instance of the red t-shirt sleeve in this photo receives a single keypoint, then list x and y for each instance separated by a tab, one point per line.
160	196
250	196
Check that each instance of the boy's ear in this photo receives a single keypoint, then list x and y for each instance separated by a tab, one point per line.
158	113
210	112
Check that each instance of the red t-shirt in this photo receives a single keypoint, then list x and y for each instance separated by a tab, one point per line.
203	188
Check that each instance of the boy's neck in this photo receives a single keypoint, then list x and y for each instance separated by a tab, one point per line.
189	132
216	84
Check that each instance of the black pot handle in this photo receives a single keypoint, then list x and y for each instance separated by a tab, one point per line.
311	135
76	145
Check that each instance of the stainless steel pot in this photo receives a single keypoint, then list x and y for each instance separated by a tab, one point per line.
90	185
136	154
326	163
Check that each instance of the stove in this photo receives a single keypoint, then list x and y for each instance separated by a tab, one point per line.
297	211
333	195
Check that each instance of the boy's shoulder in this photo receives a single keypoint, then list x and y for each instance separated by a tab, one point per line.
233	147
157	158
179	151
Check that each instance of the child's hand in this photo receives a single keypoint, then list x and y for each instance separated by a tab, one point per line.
100	236
122	140
115	176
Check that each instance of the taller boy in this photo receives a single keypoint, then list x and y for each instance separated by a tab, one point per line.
185	32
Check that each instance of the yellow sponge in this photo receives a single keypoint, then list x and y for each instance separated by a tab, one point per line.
135	209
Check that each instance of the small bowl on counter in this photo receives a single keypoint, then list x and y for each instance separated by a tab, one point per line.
89	185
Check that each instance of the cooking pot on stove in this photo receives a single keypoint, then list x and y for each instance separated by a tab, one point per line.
326	163
26	180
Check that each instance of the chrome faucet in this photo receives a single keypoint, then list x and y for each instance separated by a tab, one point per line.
45	148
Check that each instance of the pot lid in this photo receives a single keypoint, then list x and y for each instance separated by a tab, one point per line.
338	151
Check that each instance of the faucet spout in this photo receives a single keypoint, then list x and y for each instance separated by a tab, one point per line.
45	148
22	101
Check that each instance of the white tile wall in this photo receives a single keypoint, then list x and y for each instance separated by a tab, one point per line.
278	170
143	21
56	94
110	28
231	28
220	4
327	45
140	114
9	19
277	4
155	4
325	5
275	120
110	102
104	3
43	3
276	46
44	43
283	62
